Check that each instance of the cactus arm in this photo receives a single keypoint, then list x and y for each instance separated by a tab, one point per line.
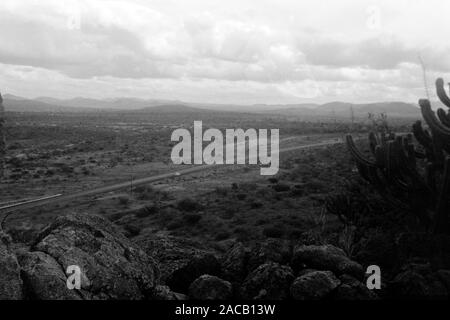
357	155
443	117
441	92
421	136
373	142
442	212
431	119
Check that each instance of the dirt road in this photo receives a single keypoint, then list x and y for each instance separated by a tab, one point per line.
6	210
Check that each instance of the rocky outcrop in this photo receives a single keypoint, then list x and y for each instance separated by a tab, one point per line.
352	289
314	285
234	263
199	265
44	278
325	257
209	287
164	293
172	253
270	281
10	281
271	250
111	266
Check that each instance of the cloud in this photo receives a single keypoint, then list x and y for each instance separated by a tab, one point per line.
285	48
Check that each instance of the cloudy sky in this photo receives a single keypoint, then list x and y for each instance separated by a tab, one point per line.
227	51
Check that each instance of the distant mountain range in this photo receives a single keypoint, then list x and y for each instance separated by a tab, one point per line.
338	110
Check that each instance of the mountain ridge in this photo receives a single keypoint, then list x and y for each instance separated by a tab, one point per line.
334	109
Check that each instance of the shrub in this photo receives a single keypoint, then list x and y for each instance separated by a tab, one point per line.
192	218
132	230
241	196
188	205
280	187
124	200
222	236
273	232
147	211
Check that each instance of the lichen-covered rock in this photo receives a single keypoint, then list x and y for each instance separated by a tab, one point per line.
10	281
44	278
314	285
112	267
164	293
270	281
234	263
208	287
271	250
353	289
325	257
172	253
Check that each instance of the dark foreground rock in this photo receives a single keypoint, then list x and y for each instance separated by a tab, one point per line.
209	287
164	293
44	278
325	257
270	281
172	253
352	289
112	267
10	281
234	263
199	265
271	250
418	281
314	285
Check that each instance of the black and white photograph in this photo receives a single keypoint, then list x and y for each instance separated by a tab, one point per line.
225	157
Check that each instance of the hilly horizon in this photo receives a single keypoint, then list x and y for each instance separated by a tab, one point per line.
335	109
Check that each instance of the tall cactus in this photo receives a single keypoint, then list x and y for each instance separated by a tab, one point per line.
2	137
419	176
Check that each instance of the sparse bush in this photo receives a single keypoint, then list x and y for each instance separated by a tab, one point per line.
176	224
273	180
147	211
188	205
273	232
281	187
192	218
222	236
222	191
132	230
124	200
241	196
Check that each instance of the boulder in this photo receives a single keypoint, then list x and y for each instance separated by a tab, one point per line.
164	293
208	287
270	281
234	263
112	267
353	289
199	265
314	285
44	278
325	257
172	253
10	280
271	250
